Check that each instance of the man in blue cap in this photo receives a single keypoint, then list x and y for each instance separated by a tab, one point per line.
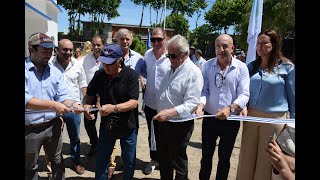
118	89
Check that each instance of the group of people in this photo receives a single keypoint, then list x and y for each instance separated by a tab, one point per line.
178	89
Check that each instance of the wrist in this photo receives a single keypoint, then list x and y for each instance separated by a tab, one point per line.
115	110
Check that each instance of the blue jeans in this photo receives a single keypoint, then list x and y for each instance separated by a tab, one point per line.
73	127
128	143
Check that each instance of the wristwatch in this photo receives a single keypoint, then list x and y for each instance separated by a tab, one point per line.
231	108
116	109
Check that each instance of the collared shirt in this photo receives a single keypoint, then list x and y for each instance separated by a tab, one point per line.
91	65
235	90
74	76
156	69
48	86
273	92
199	62
181	90
118	90
132	59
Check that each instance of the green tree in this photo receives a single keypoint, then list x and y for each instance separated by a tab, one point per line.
225	13
97	9
138	45
179	23
278	15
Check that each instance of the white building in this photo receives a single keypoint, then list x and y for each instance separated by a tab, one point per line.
41	16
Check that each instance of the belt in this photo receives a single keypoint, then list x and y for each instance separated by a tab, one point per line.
44	124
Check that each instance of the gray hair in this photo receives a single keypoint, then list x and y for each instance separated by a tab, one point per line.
123	31
181	42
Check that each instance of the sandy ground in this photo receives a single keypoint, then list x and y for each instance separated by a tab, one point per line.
193	150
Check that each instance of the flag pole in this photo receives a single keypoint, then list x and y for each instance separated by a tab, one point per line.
165	8
254	29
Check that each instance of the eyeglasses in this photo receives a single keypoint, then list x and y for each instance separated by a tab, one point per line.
219	80
156	39
173	56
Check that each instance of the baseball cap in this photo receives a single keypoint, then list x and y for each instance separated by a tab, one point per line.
192	47
110	53
42	40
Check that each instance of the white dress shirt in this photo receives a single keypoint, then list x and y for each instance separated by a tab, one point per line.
156	69
181	90
90	66
74	76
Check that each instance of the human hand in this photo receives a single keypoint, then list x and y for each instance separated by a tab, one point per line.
223	113
60	108
77	108
244	111
162	116
106	109
87	112
276	156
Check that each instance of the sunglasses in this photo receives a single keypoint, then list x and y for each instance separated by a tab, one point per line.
173	56
156	39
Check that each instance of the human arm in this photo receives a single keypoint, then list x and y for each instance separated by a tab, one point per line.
278	160
290	90
121	107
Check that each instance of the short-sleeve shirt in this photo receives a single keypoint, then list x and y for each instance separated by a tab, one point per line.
118	90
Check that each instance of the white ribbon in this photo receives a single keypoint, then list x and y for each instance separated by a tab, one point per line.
51	110
231	118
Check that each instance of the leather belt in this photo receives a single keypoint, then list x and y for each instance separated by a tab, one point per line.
44	124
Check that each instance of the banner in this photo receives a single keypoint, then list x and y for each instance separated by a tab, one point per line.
254	29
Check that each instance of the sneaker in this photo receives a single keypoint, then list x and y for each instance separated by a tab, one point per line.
92	151
151	167
111	170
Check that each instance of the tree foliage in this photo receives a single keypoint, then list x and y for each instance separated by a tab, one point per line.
97	9
138	45
225	13
278	15
179	23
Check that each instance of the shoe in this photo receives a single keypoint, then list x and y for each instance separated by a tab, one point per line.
79	169
151	167
92	151
111	170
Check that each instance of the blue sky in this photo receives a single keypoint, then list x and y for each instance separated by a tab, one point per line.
131	14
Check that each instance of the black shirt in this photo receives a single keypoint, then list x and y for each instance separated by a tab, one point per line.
118	90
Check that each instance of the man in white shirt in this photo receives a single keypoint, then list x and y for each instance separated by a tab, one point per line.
178	97
91	65
157	64
75	78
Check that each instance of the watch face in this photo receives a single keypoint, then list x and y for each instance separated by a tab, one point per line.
231	108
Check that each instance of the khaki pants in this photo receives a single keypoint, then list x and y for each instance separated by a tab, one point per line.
253	161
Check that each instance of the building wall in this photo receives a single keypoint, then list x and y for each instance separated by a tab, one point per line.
43	18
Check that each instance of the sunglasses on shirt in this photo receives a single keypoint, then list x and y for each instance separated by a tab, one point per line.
156	39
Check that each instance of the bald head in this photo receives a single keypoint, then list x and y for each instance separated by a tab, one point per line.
224	47
65	50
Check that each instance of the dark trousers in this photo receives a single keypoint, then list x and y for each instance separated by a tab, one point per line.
150	113
174	138
90	126
213	128
50	137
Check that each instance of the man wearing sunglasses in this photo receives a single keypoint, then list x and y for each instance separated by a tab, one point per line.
225	92
118	89
178	97
157	64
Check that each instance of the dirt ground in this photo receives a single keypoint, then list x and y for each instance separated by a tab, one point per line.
193	150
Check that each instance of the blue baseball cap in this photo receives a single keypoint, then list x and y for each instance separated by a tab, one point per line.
110	53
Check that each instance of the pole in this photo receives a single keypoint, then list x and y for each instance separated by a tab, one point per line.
165	9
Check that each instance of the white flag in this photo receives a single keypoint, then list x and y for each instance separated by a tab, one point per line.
254	29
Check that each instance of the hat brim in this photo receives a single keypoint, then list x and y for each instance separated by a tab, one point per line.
47	45
107	60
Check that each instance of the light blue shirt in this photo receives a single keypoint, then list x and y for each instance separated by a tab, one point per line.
132	60
199	62
273	92
48	86
236	89
181	90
